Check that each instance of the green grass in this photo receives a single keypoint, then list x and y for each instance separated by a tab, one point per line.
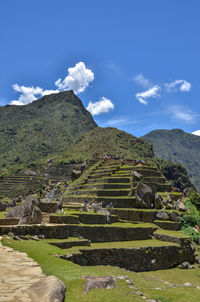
71	274
128	244
178	234
3	214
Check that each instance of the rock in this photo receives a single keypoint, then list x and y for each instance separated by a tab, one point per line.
174	216
145	196
98	209
17	238
32	199
139	293
162	215
158	201
98	282
180	206
137	175
128	281
48	289
187	284
10	234
23	237
41	236
75	174
151	300
186	265
27	212
121	277
35	237
169	206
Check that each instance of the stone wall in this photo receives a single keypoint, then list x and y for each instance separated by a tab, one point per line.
141	259
135	215
70	219
48	207
9	221
93	233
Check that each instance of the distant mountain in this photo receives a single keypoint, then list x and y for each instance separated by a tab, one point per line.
58	127
46	126
178	146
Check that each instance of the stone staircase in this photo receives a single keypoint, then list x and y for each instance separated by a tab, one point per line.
110	181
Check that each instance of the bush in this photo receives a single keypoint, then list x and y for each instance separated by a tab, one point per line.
195	199
191	220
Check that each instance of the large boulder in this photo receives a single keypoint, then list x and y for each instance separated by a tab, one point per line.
48	289
99	210
145	196
162	215
27	212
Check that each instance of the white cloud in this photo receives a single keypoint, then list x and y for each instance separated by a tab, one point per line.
29	94
183	114
141	80
78	78
181	85
50	91
104	105
197	132
118	121
150	93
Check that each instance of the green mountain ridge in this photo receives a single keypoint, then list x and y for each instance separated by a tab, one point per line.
58	127
46	126
178	146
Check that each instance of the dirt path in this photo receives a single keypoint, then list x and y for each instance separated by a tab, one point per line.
17	273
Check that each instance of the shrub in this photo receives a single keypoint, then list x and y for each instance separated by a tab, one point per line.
195	199
191	220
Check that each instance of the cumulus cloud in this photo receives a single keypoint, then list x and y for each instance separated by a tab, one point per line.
104	105
196	132
183	114
181	85
29	94
150	93
78	78
142	80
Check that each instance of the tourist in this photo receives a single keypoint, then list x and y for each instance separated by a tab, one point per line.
85	208
60	206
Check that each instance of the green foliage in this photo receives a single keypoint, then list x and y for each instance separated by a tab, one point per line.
190	220
178	146
195	199
176	174
44	127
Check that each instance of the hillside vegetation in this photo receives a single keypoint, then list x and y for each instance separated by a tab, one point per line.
106	140
178	146
46	126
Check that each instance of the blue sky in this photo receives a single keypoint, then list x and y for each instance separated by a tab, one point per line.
135	64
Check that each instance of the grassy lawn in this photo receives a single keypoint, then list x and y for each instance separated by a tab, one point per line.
146	282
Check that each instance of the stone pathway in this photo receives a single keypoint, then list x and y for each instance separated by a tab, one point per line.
17	273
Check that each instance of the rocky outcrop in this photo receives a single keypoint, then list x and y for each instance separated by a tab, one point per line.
28	212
